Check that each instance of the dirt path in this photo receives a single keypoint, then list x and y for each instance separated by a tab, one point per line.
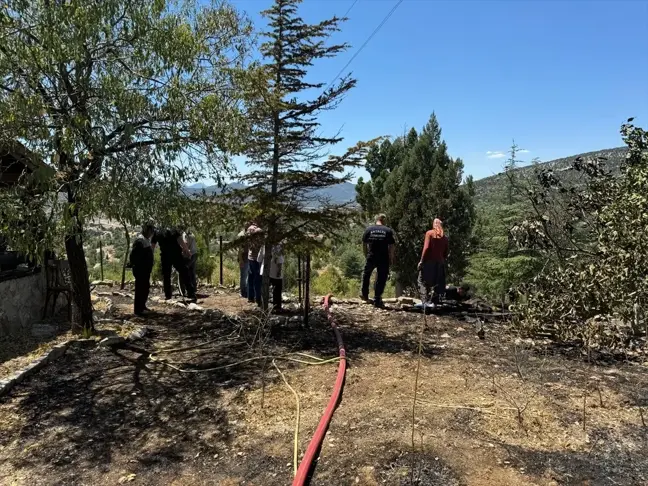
491	412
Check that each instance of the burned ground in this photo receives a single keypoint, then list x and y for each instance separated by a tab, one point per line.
495	411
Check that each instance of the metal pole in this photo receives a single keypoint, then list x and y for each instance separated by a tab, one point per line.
220	249
307	289
101	259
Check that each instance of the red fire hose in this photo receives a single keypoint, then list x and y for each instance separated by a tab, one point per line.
315	443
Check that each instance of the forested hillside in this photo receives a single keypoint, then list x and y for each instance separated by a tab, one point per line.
491	188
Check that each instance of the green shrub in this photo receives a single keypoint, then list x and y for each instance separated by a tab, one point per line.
352	263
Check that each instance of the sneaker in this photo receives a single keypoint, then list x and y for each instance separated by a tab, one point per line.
364	298
379	303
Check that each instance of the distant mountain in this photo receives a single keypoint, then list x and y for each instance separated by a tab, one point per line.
490	189
338	194
210	190
198	185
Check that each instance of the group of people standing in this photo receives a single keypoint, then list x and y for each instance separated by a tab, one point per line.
178	249
378	243
251	264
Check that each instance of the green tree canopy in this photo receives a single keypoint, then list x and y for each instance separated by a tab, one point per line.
414	180
85	84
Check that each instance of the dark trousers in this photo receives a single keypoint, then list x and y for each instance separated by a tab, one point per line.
191	268
142	288
254	281
432	278
277	288
168	262
382	272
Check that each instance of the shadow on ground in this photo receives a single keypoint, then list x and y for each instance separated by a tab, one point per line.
73	421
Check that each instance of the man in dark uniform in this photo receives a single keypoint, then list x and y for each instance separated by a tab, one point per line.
173	252
141	262
378	246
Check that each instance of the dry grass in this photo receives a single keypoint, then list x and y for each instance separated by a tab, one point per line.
488	412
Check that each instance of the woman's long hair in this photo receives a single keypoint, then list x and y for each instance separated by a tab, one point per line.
437	228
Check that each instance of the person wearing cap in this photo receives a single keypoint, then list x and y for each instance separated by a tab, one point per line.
378	245
141	263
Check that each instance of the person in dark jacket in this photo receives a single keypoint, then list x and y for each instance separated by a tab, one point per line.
432	275
190	240
378	244
141	262
173	252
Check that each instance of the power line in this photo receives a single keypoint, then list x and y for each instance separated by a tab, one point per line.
352	5
384	21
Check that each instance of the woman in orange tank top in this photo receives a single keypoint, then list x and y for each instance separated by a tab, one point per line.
432	264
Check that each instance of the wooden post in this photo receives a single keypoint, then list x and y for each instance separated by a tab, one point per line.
101	259
307	289
220	250
299	279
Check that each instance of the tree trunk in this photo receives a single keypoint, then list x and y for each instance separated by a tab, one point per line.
82	320
299	279
101	259
220	253
126	254
307	274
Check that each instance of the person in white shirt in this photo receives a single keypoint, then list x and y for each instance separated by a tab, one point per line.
276	273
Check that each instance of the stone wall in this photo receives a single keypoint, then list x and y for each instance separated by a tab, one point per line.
21	303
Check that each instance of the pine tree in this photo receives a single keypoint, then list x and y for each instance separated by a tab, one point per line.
498	265
284	190
427	183
381	160
509	169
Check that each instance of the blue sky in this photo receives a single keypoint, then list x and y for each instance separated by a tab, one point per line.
558	76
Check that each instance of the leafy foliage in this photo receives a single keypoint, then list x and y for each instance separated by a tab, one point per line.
593	240
498	266
103	89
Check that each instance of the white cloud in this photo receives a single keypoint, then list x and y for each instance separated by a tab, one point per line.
523	151
495	155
